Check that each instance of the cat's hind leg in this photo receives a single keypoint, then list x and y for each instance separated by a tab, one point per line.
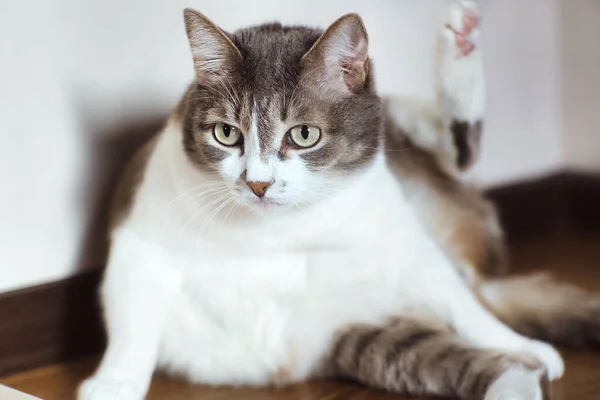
459	80
412	356
449	126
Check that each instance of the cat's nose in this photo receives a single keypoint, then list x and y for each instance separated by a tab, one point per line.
259	188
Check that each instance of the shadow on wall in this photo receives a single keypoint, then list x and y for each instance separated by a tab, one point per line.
109	153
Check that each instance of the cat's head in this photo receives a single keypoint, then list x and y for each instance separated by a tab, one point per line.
283	115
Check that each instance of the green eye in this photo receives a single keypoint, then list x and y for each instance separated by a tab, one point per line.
226	134
305	136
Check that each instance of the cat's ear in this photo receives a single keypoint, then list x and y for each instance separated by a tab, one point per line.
340	56
214	53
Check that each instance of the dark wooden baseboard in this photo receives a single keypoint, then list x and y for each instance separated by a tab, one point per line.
50	323
60	321
565	201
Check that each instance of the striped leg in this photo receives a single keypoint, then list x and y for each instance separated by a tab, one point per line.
413	357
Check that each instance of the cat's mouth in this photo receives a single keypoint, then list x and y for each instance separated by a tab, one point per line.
264	203
267	202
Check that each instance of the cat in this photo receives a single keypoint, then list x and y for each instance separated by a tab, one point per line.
287	224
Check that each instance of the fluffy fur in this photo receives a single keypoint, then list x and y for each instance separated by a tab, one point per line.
352	264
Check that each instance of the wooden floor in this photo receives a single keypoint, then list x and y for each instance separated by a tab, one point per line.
573	259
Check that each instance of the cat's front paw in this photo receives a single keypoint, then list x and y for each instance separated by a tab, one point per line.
461	30
518	384
552	360
98	388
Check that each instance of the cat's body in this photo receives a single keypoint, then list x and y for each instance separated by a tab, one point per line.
260	299
263	294
348	260
301	275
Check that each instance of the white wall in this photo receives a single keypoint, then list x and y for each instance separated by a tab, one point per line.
74	72
581	83
522	61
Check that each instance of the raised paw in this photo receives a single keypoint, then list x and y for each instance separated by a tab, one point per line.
107	389
518	384
461	29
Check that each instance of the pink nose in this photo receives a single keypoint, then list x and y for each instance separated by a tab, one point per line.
259	188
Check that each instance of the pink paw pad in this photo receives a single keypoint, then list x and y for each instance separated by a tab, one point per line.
470	21
464	45
464	22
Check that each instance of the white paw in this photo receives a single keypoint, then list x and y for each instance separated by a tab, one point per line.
108	389
462	30
545	353
517	384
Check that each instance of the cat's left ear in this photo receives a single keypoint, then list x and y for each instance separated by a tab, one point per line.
215	55
340	57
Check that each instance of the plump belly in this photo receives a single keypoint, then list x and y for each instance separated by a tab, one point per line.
271	320
227	337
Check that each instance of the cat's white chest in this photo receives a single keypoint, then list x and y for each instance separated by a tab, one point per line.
233	288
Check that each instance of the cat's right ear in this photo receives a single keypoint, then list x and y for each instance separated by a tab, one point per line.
215	55
339	60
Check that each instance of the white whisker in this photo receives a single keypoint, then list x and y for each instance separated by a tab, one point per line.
212	216
200	185
199	212
230	212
